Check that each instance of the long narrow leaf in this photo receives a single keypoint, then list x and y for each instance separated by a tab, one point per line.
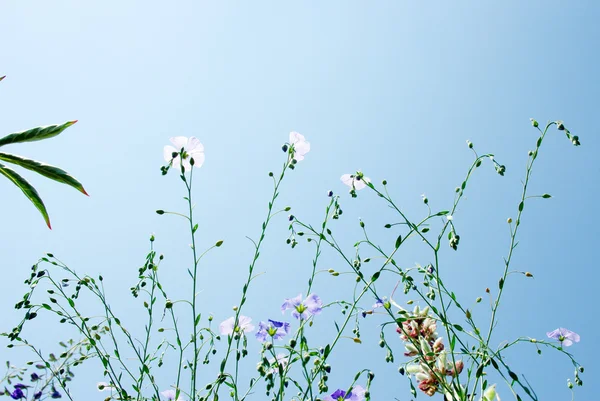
29	191
36	134
54	173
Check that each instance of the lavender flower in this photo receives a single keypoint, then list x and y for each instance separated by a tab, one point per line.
565	336
281	360
272	329
357	394
312	305
228	326
170	395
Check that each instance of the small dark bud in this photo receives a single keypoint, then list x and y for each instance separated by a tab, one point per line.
291	218
285	148
330	194
560	125
534	123
160	212
174	155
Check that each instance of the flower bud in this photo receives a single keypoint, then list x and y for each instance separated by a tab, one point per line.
284	148
560	125
470	144
534	123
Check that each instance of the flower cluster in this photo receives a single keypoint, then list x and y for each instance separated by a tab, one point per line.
418	332
21	392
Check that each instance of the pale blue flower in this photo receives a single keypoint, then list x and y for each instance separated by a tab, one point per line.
312	305
565	336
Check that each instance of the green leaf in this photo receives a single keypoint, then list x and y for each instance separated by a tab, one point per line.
36	134
1	78
48	171
29	191
398	241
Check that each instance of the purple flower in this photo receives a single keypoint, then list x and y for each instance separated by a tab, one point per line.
21	386
17	394
55	394
378	304
37	395
312	305
565	336
357	394
272	329
34	377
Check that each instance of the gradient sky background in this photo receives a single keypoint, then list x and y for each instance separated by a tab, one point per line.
390	87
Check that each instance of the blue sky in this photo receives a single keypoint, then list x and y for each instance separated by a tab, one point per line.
390	87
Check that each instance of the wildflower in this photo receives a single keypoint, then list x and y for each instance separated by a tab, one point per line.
565	336
490	394
356	394
312	305
273	329
380	302
170	395
34	377
299	146
192	148
17	394
355	182
229	327
281	360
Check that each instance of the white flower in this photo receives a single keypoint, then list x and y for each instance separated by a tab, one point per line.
282	360
170	395
490	394
103	386
228	327
192	148
301	147
354	182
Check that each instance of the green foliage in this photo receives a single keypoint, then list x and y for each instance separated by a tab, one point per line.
48	171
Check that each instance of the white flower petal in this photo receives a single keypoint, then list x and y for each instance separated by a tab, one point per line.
168	152
360	184
296	137
226	327
194	144
179	142
347	179
198	158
